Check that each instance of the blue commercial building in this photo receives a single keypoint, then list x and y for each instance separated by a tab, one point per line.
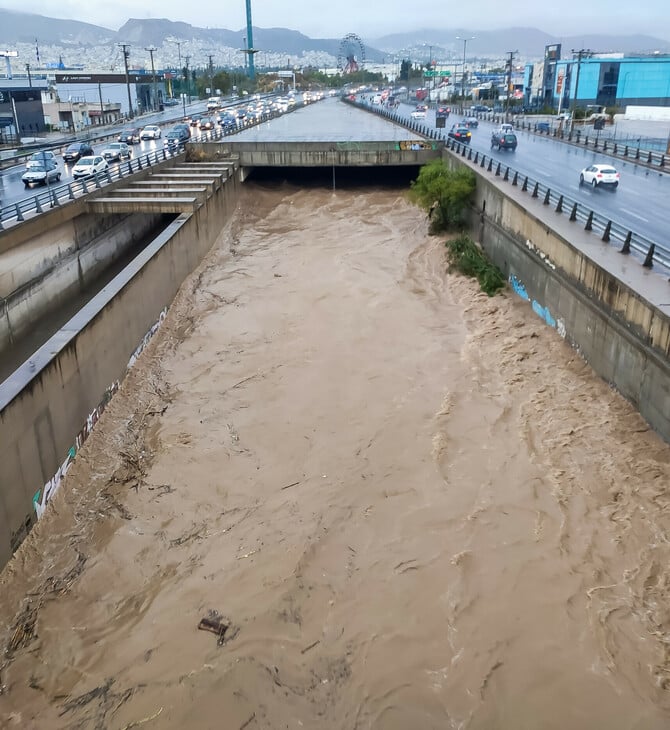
612	80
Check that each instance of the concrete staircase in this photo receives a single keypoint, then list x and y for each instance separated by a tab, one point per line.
179	189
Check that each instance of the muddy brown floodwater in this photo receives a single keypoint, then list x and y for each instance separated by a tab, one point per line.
413	506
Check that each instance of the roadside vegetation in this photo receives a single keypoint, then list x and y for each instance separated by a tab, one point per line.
445	195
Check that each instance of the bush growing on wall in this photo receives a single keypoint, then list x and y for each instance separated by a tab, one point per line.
444	194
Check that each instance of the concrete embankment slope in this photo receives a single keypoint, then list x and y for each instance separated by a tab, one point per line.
49	405
610	308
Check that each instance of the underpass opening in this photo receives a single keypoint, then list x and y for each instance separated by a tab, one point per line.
397	176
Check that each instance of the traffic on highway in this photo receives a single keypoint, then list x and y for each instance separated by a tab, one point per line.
637	201
82	158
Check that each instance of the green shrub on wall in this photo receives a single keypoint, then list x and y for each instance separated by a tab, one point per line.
445	194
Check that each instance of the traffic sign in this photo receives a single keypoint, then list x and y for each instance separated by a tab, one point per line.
439	74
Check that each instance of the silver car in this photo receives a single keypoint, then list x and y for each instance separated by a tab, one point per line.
41	174
116	151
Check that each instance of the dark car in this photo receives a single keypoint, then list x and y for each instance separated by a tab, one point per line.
177	136
543	127
480	108
207	123
76	151
460	134
195	119
470	122
443	111
184	128
130	135
503	141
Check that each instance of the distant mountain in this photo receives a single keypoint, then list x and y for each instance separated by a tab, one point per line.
529	42
271	40
18	27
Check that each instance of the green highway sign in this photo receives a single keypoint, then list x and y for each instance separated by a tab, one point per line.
440	74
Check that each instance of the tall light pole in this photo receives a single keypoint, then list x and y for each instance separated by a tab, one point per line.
152	50
465	43
188	78
126	52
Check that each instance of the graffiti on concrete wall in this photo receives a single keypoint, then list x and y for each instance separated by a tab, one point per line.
541	311
43	495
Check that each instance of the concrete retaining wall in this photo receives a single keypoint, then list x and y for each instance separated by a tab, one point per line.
46	403
623	337
39	275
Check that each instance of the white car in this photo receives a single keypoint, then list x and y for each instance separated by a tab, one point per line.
116	151
90	165
39	159
151	131
597	175
419	112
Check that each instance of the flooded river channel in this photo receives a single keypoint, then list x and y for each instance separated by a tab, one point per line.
390	502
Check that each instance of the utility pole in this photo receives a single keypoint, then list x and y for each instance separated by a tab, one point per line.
151	50
211	74
126	52
102	106
581	53
188	78
509	65
30	81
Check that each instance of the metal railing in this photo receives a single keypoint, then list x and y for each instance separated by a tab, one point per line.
624	150
648	251
54	196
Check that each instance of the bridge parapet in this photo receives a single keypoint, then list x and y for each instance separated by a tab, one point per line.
320	154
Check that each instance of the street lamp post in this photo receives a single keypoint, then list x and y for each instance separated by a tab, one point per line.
465	43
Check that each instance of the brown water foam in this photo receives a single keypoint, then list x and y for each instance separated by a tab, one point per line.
416	506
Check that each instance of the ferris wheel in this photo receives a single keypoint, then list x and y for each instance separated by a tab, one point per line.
351	56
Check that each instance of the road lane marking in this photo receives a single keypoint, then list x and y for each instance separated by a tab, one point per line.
635	215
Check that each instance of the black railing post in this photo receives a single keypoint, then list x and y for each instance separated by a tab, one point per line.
498	170
515	179
559	205
506	175
589	222
625	249
547	197
607	231
490	167
649	259
19	214
524	187
536	190
573	213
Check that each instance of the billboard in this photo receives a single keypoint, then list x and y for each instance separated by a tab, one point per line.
552	52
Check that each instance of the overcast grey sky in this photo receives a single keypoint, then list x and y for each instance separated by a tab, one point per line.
334	18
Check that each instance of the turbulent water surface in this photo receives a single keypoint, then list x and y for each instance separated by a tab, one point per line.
415	507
